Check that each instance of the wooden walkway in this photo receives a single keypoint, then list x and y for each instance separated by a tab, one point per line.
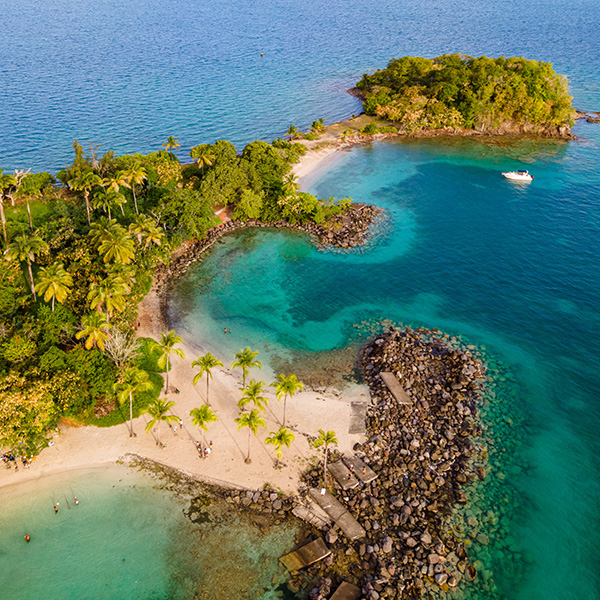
310	516
361	470
342	474
305	556
339	513
395	388
346	591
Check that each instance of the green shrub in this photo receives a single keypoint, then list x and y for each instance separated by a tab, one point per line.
369	129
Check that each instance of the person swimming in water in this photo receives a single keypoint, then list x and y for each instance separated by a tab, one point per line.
27	538
75	501
56	508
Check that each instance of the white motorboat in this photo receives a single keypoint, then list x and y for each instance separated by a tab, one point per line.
518	176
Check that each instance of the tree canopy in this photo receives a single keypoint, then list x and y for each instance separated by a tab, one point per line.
458	91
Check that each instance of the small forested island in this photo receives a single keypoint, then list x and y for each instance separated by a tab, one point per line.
457	92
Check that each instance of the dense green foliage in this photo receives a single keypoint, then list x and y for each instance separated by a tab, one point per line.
457	91
80	256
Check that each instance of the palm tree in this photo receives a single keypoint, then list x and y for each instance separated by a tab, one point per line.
158	411
292	132
286	386
167	346
244	359
95	328
290	184
117	244
325	439
7	182
25	248
201	417
27	189
282	437
54	282
132	381
135	176
84	182
145	230
206	363
204	160
252	421
171	143
252	393
110	293
318	126
116	182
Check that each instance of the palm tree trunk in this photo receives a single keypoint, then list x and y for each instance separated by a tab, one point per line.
207	402
167	377
130	415
3	222
325	467
29	214
284	405
109	215
137	212
202	443
53	296
249	436
122	211
87	208
31	278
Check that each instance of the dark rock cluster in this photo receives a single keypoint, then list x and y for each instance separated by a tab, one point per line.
422	456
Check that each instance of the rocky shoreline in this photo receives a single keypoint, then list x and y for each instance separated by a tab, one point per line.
345	231
422	455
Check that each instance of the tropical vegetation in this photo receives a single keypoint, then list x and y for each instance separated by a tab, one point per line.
455	91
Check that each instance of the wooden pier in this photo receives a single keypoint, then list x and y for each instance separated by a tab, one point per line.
342	474
392	383
361	470
352	529
346	591
307	555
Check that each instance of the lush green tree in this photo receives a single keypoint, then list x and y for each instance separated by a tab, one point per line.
135	175
171	144
282	437
132	381
246	359
249	206
252	421
95	328
54	282
206	363
158	413
84	182
318	126
27	411
202	155
187	213
7	183
146	231
286	386
108	295
166	347
114	243
25	248
325	439
293	132
201	417
253	392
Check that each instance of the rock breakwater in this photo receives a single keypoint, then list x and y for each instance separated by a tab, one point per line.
345	231
422	456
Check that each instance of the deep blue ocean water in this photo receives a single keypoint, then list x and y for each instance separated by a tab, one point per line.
513	268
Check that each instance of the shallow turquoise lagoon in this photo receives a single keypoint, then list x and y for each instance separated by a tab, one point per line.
130	539
514	268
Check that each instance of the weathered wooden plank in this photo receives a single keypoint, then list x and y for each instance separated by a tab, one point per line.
346	591
360	469
342	475
307	555
339	513
395	388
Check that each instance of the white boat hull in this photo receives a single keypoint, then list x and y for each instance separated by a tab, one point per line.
519	176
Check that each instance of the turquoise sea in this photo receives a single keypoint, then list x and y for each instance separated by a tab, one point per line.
513	268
